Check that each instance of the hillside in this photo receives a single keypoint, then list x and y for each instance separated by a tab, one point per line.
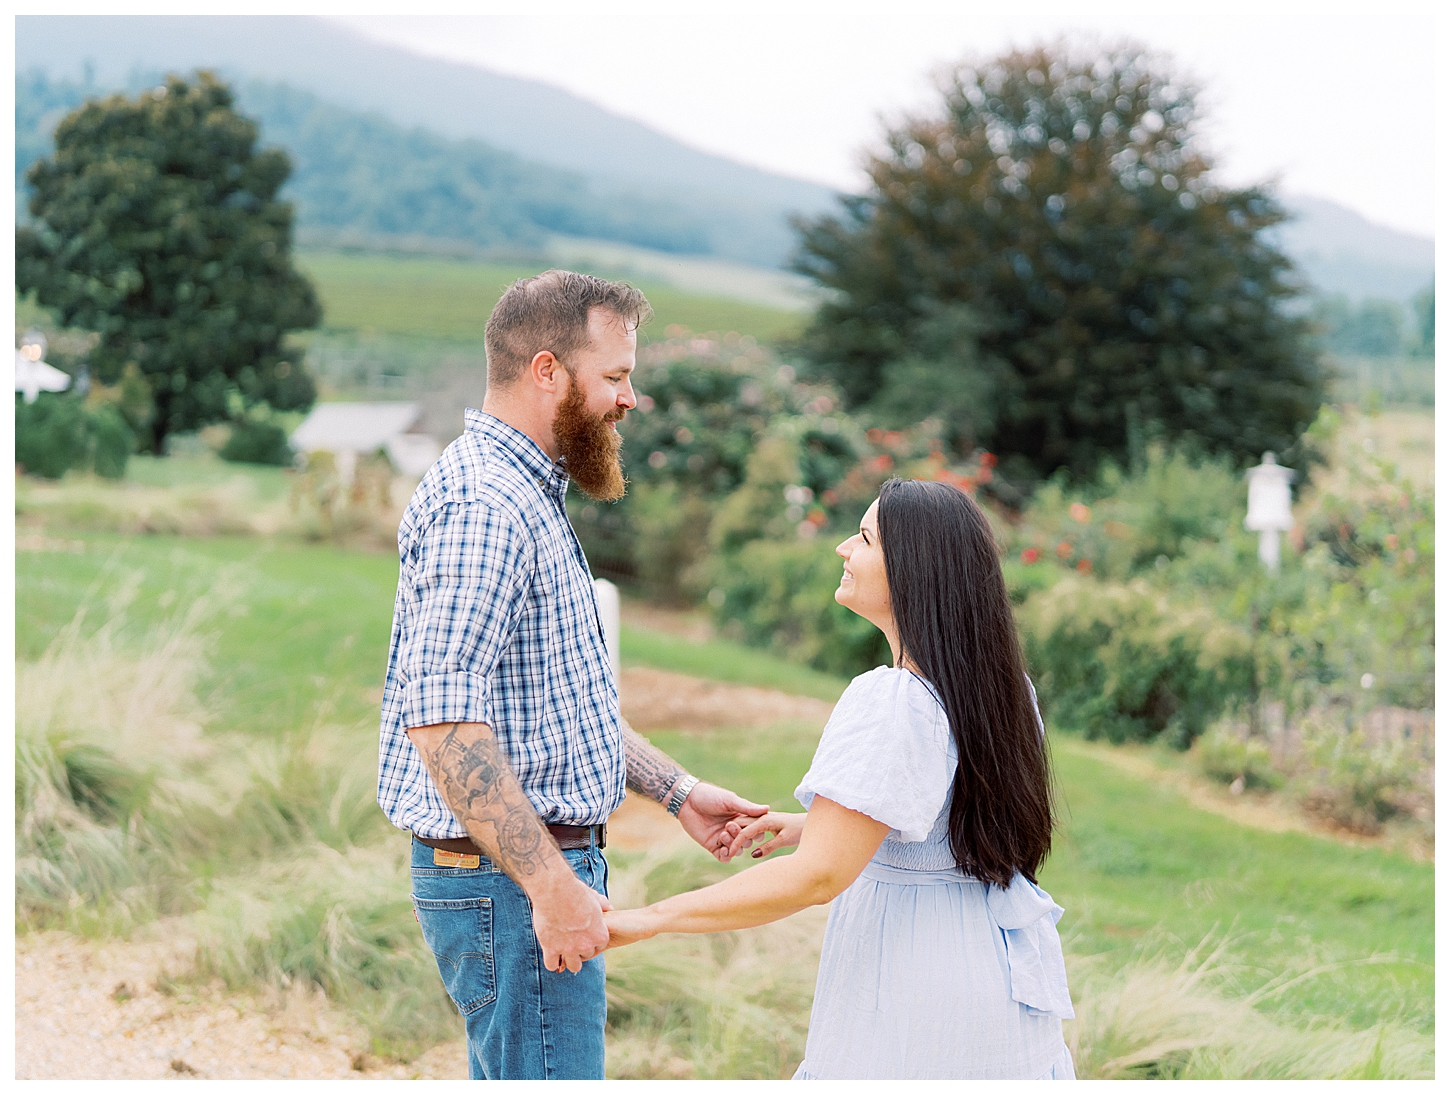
1340	251
391	143
745	210
362	173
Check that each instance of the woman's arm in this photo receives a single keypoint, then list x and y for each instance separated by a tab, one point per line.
835	847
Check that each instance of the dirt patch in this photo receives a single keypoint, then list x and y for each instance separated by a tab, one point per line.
691	624
93	1011
652	699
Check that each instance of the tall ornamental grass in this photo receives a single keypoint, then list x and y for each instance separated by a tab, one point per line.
271	855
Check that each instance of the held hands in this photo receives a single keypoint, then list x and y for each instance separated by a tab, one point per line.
774	830
569	922
627	926
707	813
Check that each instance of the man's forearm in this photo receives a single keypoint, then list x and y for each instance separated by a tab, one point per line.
481	789
648	771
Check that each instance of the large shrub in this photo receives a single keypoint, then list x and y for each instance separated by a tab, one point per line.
257	442
1118	661
781	594
50	436
1129	522
60	433
705	405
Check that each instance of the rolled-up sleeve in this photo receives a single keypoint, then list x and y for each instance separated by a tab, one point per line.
470	577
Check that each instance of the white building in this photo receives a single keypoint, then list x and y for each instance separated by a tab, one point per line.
351	430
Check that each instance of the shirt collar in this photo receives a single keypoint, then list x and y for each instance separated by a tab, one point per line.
521	449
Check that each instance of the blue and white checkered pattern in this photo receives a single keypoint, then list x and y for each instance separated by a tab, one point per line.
496	622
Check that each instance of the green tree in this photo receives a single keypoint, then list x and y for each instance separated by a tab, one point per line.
1373	329
1424	338
157	225
1046	262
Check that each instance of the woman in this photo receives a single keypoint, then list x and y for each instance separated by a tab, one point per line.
929	814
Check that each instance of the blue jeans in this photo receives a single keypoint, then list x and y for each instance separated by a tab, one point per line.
523	1021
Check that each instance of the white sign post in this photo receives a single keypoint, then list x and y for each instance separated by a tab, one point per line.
1269	507
607	594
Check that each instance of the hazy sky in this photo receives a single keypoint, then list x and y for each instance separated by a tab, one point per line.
1335	101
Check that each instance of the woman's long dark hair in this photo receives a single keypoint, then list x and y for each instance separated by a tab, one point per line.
955	624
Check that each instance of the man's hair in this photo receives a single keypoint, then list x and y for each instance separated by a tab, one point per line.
550	311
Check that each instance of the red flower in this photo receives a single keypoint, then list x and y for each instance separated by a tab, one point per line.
1031	555
988	460
1064	550
1084	566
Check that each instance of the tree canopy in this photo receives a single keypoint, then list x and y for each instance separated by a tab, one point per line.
1046	263
157	225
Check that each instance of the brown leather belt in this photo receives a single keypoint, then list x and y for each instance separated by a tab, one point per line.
568	837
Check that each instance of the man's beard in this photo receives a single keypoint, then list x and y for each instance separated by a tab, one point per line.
589	446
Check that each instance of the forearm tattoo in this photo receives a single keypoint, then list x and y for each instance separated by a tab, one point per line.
647	770
484	794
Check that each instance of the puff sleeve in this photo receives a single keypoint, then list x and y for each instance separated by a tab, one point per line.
886	752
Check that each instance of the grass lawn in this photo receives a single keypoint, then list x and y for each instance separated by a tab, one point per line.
300	632
449	299
301	635
724	661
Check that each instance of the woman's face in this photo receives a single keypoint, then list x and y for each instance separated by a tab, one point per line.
863	582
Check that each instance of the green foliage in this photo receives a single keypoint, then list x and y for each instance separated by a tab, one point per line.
1331	942
1051	244
49	435
1375	328
252	442
1357	623
1351	780
1126	522
1424	337
710	411
720	660
1230	757
1117	661
112	441
59	432
435	300
368	176
157	225
780	594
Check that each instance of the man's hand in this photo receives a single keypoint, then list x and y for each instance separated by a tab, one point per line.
569	921
628	926
706	813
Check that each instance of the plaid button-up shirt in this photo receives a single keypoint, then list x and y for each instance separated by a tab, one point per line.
496	622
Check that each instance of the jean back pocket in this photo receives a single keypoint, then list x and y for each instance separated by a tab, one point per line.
459	932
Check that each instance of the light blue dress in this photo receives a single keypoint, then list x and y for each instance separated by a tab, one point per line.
926	973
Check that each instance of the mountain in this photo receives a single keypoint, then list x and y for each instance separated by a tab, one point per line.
1339	251
617	179
746	209
361	176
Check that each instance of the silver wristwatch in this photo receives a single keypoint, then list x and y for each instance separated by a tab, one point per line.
679	794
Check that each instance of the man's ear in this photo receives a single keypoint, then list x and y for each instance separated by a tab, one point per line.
547	372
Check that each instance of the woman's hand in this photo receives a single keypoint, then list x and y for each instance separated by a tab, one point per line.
783	831
626	926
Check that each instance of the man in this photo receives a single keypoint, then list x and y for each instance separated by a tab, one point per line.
502	747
